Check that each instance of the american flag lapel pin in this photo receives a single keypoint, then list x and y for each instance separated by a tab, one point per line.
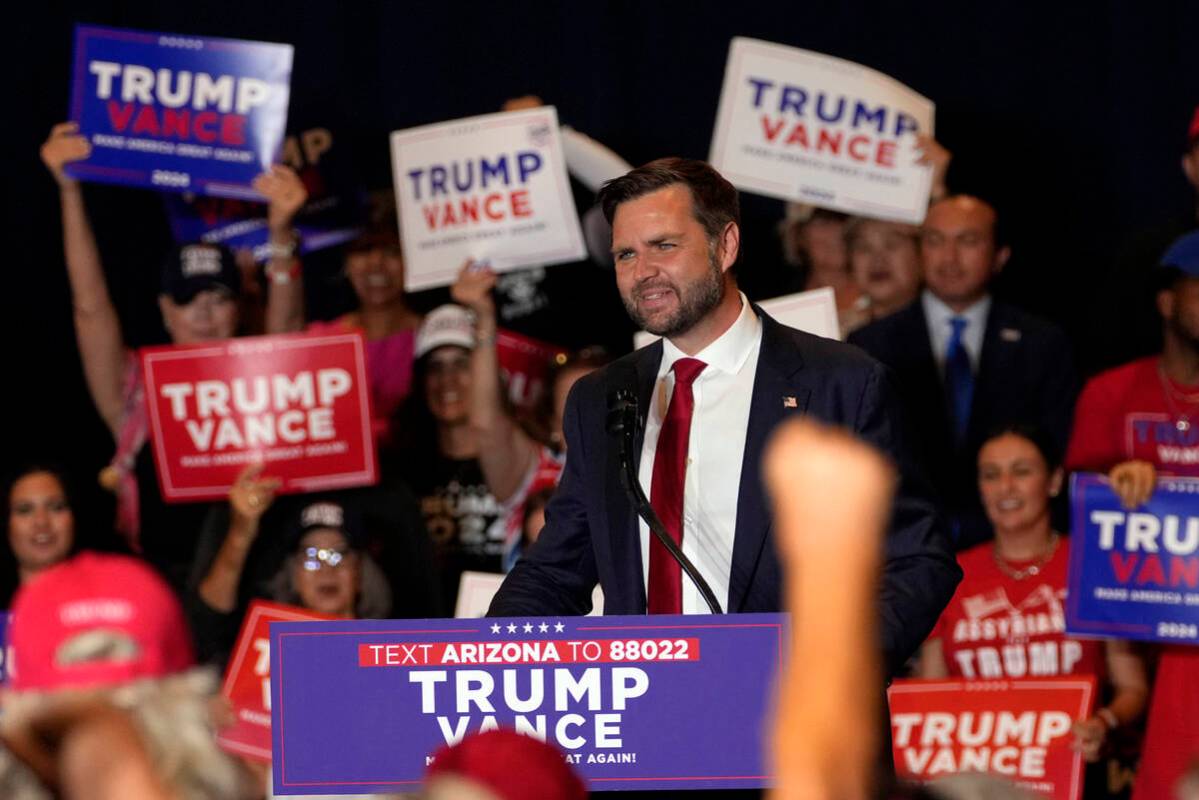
790	402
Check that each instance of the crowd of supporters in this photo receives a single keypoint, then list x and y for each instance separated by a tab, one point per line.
990	390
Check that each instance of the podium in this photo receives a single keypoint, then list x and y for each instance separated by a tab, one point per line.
635	702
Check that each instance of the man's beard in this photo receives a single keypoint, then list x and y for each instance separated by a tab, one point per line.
694	302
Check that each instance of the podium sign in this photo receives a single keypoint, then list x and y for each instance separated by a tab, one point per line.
661	702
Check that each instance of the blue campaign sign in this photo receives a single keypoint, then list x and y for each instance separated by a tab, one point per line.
1134	574
333	214
646	702
181	113
239	225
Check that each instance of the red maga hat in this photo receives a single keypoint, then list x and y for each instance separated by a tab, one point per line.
512	765
96	620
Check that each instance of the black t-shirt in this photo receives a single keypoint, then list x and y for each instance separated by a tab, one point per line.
169	532
465	522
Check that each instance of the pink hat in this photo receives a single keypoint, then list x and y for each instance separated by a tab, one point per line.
96	620
512	765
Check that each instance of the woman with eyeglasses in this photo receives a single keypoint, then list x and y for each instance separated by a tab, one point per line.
327	553
324	572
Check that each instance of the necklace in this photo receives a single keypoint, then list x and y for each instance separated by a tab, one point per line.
1031	569
1173	396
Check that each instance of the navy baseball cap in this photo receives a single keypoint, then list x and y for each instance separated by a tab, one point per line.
330	513
194	268
1183	255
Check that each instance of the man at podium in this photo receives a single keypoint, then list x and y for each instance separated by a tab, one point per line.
705	399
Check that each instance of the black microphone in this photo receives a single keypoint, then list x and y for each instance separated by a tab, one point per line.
623	419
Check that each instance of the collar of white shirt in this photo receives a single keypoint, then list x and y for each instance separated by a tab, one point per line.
938	316
728	352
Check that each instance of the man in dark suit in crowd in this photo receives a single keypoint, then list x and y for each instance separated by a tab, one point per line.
709	393
966	364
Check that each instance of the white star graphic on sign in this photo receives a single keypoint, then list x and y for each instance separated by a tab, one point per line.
543	627
495	628
528	627
559	627
511	627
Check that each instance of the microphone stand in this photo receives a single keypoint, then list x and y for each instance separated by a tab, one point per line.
623	418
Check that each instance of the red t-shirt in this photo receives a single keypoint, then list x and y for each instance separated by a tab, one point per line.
999	627
1124	413
1170	736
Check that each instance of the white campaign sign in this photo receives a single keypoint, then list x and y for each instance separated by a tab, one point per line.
814	312
491	188
804	126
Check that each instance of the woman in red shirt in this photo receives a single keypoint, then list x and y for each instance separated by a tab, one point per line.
1006	619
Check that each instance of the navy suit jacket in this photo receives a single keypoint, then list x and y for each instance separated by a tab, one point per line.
591	532
1025	374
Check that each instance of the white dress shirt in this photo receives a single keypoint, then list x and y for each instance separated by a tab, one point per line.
938	316
723	393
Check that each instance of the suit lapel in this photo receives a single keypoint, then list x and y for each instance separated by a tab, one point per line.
933	409
774	388
997	358
926	360
647	378
622	517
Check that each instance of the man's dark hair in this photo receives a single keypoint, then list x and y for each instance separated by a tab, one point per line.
713	199
999	231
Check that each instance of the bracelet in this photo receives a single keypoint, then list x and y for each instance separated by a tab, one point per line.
274	250
281	276
1109	717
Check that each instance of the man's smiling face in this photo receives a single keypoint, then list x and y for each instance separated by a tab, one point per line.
667	269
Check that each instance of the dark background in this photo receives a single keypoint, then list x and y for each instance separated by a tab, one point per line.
1070	116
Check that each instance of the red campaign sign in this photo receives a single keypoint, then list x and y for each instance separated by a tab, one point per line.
1019	730
247	684
526	363
298	403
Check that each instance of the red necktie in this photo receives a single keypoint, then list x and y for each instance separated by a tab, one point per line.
666	490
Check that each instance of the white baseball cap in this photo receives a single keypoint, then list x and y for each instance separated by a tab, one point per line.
448	324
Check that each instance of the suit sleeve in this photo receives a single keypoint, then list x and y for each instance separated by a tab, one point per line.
558	573
919	569
1059	390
